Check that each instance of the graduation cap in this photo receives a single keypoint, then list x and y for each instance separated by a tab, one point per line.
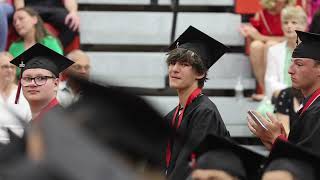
308	47
39	56
209	49
72	153
219	153
289	157
122	120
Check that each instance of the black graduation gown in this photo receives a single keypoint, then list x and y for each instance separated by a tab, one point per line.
200	118
305	131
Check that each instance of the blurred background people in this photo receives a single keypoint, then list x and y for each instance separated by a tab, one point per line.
6	10
62	14
68	91
29	27
264	30
8	89
279	56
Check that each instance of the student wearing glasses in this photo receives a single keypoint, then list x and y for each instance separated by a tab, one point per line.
39	79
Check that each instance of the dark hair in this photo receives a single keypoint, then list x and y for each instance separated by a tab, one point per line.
316	62
187	56
41	32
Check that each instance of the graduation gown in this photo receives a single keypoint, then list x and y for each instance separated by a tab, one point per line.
305	131
52	106
200	118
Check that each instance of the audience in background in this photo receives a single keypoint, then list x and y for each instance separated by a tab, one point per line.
68	93
6	10
8	89
29	27
279	55
62	14
264	31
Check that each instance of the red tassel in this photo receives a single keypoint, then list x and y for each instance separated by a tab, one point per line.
18	90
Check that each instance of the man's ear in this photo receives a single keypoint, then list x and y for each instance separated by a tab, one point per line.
56	84
200	76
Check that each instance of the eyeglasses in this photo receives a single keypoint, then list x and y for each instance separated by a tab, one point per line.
39	80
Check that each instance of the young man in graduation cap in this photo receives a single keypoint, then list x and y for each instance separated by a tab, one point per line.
305	76
189	59
40	68
220	158
290	162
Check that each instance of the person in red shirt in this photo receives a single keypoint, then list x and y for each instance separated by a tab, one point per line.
40	68
264	30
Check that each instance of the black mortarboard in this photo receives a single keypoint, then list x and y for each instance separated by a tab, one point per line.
123	121
289	157
71	152
39	56
209	49
308	47
14	149
219	153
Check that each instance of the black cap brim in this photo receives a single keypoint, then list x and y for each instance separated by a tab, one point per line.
209	49
39	56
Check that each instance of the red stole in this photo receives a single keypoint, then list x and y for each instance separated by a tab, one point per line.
193	96
54	102
314	97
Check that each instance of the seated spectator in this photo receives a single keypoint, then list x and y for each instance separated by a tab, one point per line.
62	14
6	10
279	55
264	31
287	106
220	158
29	27
67	92
8	89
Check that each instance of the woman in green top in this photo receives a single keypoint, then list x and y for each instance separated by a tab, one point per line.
30	27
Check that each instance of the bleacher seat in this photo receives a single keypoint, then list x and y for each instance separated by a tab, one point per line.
200	2
146	70
222	26
143	2
236	121
125	27
149	70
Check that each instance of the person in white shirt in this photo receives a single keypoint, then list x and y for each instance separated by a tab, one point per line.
8	89
279	55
